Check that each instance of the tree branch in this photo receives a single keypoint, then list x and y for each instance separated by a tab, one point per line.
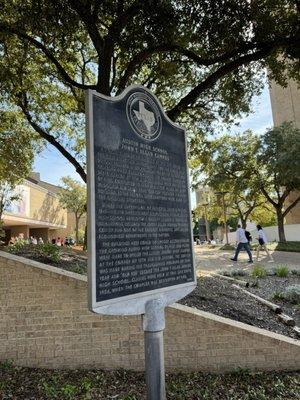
89	18
267	196
139	58
292	205
51	139
123	18
211	80
65	76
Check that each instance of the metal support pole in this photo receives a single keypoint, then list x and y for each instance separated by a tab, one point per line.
153	326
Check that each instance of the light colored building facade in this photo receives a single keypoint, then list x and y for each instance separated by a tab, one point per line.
286	107
37	212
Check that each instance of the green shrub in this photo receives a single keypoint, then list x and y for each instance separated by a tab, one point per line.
17	246
79	269
233	272
48	251
69	391
277	296
282	271
292	294
238	272
86	384
259	272
271	272
295	271
50	390
6	365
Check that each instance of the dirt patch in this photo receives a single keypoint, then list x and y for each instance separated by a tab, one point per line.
217	296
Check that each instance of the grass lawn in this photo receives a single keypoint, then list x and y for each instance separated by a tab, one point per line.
38	384
288	246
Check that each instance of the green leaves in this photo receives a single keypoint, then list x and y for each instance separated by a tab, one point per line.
18	144
205	60
73	195
279	156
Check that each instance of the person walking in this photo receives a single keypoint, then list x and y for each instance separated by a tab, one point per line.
242	242
262	243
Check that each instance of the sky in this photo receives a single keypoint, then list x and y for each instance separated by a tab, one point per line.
53	166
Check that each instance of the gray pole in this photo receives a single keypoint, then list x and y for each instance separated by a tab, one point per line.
153	326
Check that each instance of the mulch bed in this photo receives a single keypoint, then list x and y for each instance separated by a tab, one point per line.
217	296
270	284
38	384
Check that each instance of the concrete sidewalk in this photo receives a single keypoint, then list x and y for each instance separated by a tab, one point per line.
211	260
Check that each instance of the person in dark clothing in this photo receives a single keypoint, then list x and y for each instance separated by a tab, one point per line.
242	242
248	236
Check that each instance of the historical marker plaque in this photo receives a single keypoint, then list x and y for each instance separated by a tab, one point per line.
140	242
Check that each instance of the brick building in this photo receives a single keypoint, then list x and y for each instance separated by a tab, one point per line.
38	212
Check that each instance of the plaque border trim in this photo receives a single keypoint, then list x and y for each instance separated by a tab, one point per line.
133	304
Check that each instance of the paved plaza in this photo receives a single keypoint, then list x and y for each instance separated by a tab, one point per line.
212	259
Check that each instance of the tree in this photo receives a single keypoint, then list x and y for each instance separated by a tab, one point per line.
7	196
264	215
228	166
205	60
278	169
247	166
250	205
16	157
17	148
72	196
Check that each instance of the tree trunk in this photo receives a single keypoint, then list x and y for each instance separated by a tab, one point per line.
76	227
1	206
280	222
244	223
85	239
105	68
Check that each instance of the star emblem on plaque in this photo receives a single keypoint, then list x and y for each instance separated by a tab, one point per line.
144	116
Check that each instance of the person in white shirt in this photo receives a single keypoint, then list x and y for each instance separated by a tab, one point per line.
242	242
262	243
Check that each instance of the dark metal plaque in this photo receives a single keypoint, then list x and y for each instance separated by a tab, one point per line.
140	233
